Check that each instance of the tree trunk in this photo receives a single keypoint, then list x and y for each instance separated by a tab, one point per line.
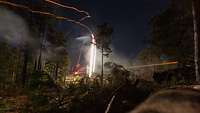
35	65
43	40
24	70
39	60
102	65
56	72
195	41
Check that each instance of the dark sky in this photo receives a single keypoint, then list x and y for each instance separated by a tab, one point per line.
129	19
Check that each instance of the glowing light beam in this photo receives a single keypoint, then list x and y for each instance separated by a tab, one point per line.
151	65
46	13
92	62
72	8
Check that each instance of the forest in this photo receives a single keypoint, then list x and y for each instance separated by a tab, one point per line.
35	68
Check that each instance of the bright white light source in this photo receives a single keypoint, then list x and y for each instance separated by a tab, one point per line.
92	56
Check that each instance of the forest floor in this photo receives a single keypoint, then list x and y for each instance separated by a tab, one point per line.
79	99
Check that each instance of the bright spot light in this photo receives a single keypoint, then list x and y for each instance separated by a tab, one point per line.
92	56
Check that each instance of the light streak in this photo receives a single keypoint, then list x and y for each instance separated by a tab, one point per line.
46	13
95	49
151	65
92	62
13	4
72	8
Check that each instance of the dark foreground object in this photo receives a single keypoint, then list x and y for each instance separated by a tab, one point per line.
171	101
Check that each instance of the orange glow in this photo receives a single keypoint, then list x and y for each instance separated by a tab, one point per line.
151	65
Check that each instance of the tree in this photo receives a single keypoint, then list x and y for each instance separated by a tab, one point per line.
24	58
10	64
119	75
175	30
195	41
172	29
103	39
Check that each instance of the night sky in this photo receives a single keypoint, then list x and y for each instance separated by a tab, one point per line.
129	19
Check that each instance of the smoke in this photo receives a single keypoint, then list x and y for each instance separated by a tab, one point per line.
150	57
52	52
84	39
115	56
13	29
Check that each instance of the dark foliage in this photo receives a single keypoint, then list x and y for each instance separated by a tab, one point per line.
184	75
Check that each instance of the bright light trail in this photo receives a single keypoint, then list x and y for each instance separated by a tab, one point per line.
151	65
95	50
92	62
46	13
15	5
72	8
